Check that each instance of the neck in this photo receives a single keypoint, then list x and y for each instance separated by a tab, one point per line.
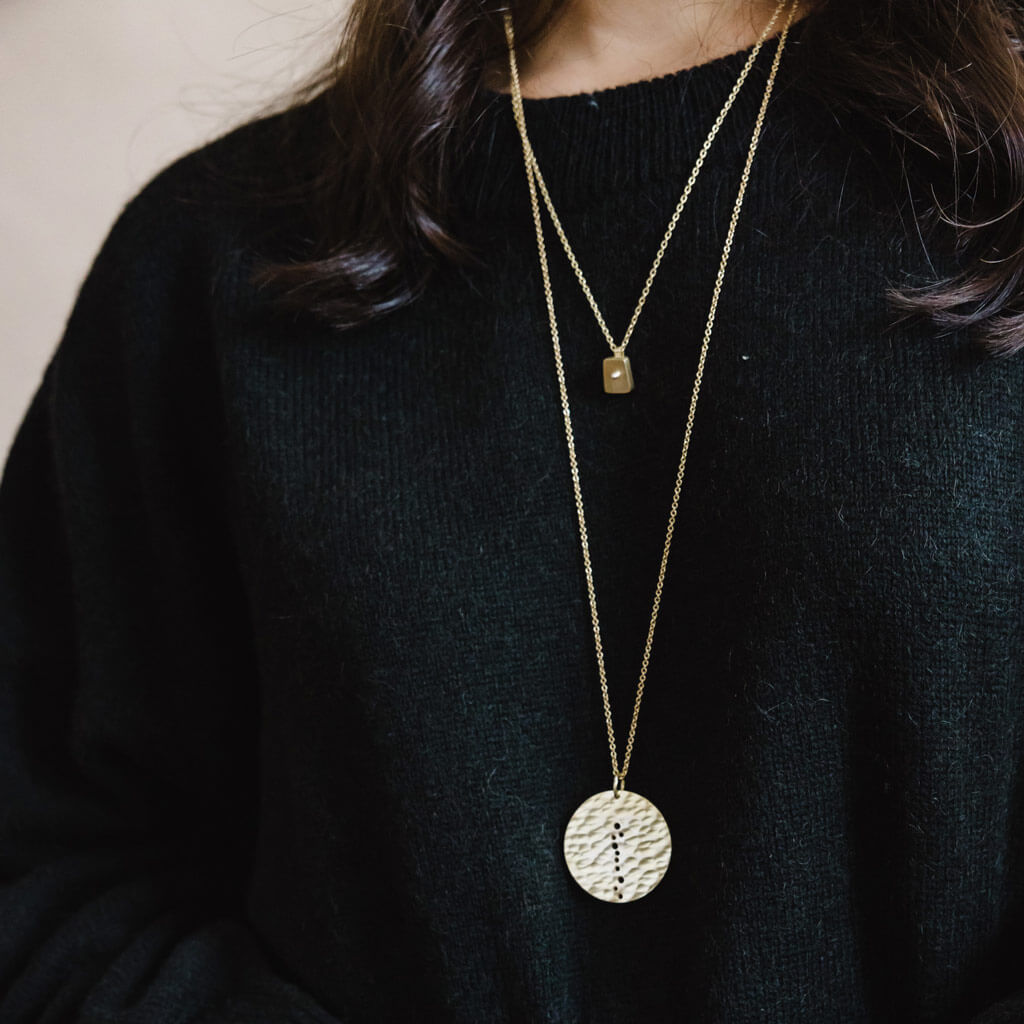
600	44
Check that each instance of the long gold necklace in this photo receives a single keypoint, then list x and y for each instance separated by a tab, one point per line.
617	844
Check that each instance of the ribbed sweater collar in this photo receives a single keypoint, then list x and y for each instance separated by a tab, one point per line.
595	143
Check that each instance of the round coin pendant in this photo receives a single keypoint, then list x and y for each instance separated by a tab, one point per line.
617	846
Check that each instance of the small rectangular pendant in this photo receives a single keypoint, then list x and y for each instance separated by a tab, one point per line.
618	377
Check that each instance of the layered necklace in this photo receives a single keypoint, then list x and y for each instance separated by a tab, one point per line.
617	844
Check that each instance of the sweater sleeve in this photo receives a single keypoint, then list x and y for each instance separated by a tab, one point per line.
128	689
1007	1011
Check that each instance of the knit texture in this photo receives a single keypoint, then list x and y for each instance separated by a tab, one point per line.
299	687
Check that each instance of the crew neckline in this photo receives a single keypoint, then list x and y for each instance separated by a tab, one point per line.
591	144
735	58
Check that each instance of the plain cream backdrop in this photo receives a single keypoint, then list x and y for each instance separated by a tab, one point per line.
95	97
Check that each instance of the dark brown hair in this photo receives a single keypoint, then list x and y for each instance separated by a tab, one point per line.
940	80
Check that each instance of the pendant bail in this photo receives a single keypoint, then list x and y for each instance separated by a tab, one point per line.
618	783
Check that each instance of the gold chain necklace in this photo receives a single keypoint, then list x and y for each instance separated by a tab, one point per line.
618	374
617	844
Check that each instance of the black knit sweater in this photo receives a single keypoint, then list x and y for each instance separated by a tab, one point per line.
298	678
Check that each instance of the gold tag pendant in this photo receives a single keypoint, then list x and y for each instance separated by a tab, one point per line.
618	377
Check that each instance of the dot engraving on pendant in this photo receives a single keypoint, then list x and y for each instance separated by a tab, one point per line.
617	846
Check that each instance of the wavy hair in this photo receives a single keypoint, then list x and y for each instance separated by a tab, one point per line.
941	80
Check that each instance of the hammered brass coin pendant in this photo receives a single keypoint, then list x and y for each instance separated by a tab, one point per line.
617	846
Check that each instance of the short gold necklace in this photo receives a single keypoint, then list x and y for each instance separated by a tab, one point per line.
617	844
618	373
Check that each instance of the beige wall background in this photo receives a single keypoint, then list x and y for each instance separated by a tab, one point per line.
95	97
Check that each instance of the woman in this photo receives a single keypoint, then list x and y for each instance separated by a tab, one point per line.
334	565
